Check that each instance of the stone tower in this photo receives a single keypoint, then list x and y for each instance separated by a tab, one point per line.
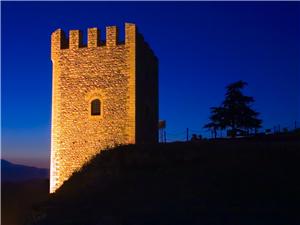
103	93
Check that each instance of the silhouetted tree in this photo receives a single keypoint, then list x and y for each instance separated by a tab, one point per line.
235	112
217	120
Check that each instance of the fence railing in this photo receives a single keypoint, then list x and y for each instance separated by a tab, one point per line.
188	134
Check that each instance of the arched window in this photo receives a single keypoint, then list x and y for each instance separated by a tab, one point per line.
96	107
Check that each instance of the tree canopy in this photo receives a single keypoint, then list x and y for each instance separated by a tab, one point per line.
235	113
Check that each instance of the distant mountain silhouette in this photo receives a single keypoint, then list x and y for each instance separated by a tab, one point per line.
14	173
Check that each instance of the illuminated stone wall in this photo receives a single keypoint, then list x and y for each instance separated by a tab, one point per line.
99	70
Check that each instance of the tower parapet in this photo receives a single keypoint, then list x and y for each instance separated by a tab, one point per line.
59	41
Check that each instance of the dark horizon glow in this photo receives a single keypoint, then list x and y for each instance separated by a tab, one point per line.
201	46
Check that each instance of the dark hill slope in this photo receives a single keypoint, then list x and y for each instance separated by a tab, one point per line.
220	182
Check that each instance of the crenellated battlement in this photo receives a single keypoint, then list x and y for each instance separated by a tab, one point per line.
59	40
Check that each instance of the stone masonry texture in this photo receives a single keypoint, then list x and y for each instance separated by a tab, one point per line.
122	75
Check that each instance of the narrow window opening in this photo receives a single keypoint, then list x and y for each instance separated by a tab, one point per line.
96	107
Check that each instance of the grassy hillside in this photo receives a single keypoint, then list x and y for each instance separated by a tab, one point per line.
208	182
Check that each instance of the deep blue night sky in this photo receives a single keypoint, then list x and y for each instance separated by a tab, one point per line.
201	46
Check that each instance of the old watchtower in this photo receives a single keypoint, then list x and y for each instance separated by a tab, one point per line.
103	93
